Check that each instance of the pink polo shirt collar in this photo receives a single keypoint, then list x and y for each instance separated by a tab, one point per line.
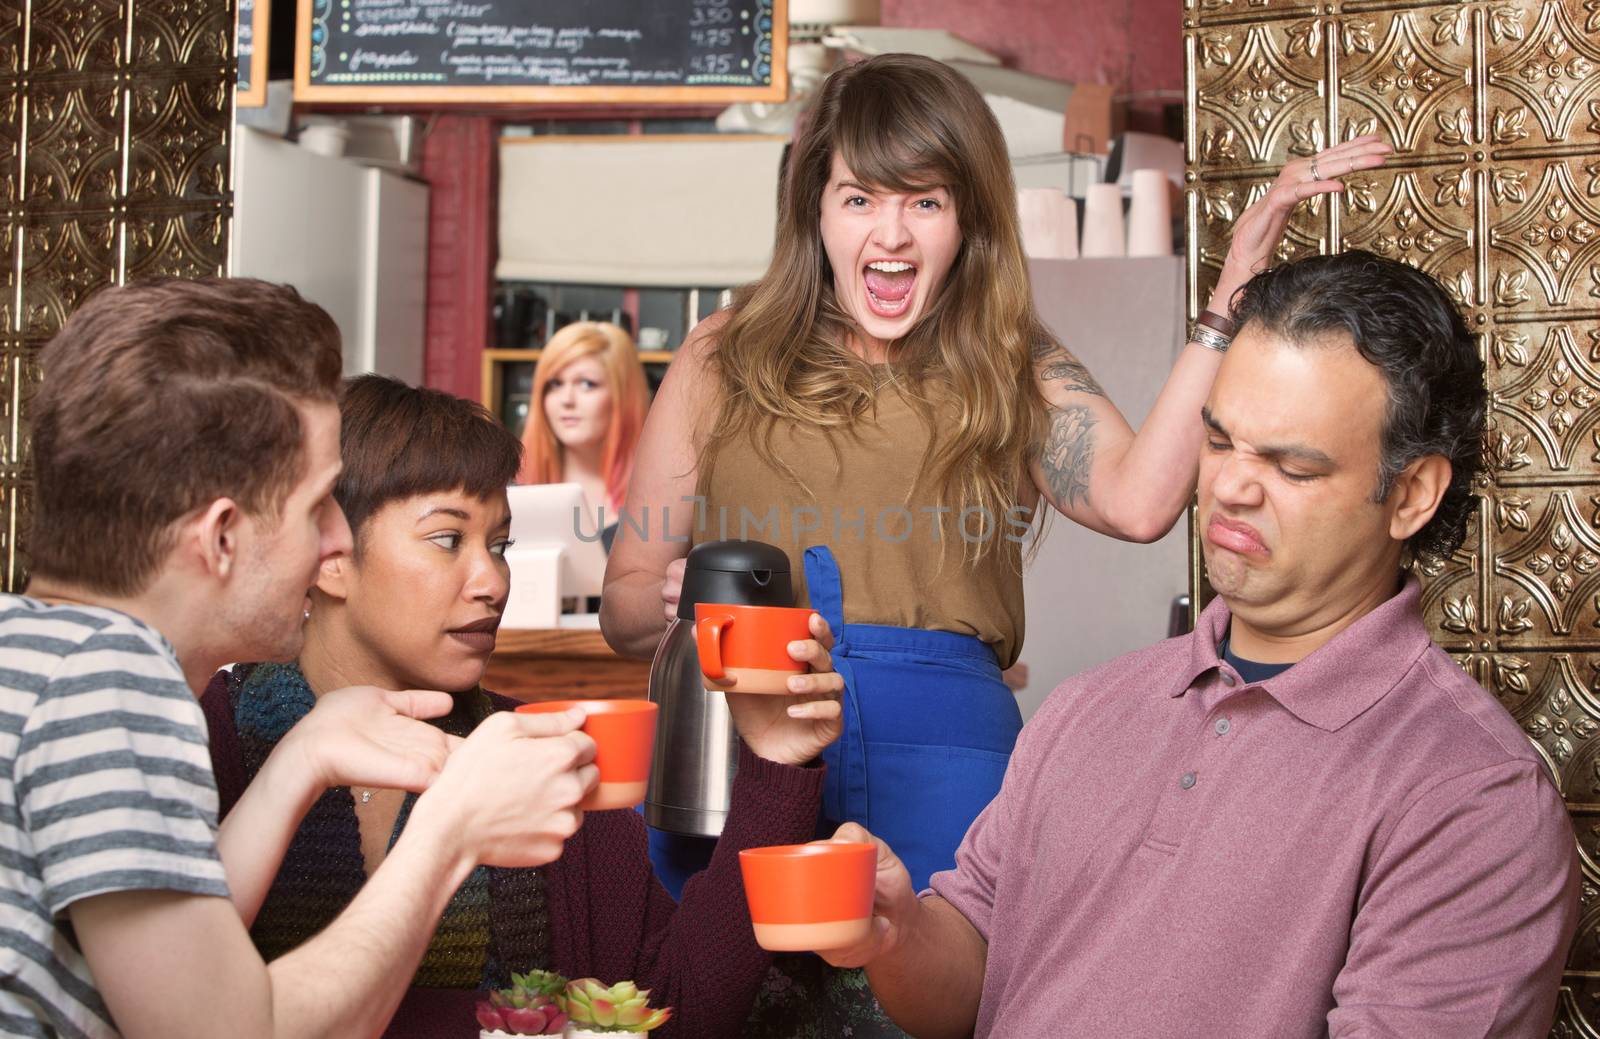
1335	684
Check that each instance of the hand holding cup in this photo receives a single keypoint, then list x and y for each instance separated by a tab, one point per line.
509	794
624	734
894	904
806	897
787	714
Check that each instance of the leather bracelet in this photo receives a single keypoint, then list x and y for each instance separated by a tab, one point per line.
1225	325
1209	338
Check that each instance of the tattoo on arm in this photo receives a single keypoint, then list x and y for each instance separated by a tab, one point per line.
1068	454
1057	365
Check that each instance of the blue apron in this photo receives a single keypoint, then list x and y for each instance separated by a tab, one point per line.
928	730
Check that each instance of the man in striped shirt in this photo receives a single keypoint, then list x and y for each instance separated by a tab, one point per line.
185	443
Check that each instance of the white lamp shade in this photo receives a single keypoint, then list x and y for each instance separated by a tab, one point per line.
652	210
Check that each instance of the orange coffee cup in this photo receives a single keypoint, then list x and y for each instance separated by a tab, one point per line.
750	644
806	897
624	734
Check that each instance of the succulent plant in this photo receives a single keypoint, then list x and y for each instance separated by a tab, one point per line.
531	1006
623	1007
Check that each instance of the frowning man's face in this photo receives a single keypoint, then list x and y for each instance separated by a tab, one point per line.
1290	530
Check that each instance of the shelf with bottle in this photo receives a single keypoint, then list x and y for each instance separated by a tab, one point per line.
527	314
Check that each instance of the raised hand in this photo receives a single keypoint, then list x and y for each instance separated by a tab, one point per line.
1260	228
894	903
794	729
365	736
509	793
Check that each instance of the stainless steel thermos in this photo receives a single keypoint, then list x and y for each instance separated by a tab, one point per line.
696	753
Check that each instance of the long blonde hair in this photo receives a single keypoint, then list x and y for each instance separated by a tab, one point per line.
902	123
541	451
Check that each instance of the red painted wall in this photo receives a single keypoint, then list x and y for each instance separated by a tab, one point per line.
1135	45
458	161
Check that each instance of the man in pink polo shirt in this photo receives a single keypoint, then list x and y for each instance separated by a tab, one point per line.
1303	819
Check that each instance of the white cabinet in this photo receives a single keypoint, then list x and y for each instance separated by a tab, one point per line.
351	238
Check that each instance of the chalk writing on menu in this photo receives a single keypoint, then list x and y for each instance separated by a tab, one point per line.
556	43
247	37
252	57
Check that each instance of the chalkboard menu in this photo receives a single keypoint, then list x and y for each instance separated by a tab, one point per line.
251	51
582	51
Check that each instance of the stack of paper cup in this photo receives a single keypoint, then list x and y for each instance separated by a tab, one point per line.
1102	221
1049	224
1150	215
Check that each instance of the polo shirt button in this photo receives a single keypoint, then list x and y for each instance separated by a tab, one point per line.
1227	679
1222	726
1187	781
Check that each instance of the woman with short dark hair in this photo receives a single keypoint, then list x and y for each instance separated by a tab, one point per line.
416	605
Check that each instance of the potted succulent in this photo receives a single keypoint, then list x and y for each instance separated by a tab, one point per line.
531	1006
595	1011
544	1003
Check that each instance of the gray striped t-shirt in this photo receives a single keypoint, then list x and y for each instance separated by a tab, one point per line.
105	785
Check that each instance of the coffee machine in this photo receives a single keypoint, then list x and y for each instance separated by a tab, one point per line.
697	750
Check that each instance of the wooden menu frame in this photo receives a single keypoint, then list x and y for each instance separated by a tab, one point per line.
260	36
305	90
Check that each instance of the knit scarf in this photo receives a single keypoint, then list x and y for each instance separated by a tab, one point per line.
497	921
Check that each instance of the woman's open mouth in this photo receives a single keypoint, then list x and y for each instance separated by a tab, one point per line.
889	285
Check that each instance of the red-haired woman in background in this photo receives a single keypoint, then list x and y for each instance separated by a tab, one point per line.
589	397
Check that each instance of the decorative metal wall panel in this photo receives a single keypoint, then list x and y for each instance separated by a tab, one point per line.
115	130
1494	108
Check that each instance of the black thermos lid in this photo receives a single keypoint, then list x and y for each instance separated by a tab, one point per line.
749	573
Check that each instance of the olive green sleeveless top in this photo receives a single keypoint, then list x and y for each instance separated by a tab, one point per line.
901	561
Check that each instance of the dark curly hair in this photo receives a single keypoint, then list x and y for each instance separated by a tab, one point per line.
1401	321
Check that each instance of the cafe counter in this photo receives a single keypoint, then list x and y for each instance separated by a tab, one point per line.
562	664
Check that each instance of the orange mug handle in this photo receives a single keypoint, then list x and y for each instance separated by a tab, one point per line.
708	640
